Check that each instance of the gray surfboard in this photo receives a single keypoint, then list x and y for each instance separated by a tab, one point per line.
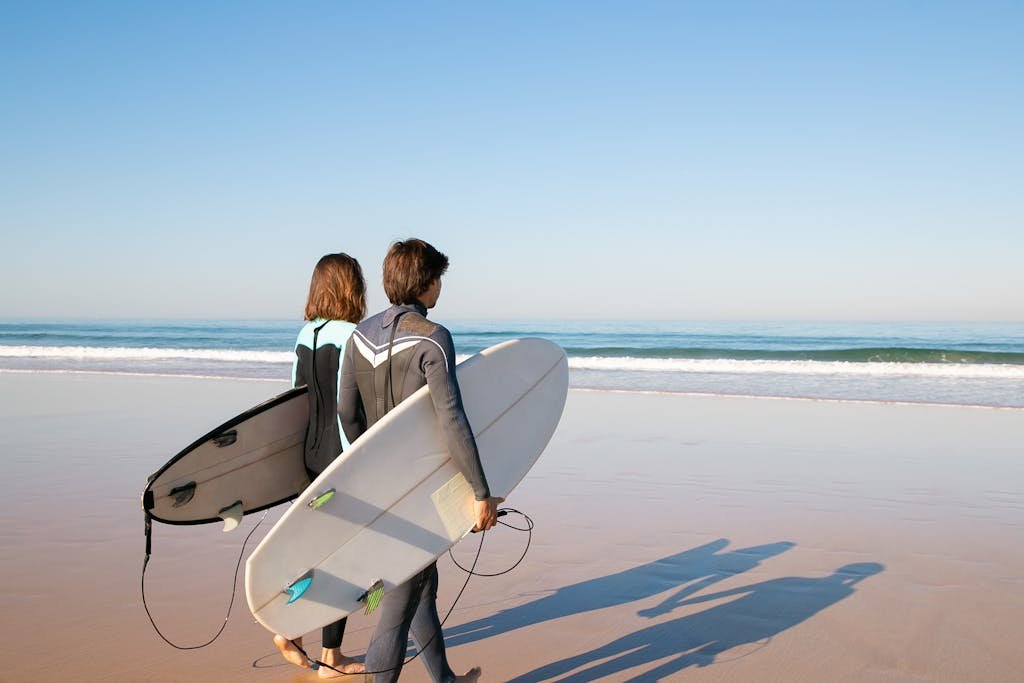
251	462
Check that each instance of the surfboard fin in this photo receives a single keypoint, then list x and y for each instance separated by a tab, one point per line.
225	438
321	499
372	596
232	515
182	494
297	589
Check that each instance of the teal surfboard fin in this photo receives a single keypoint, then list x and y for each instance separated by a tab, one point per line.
372	596
297	589
232	515
321	499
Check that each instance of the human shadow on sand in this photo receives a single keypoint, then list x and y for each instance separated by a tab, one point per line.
759	612
693	570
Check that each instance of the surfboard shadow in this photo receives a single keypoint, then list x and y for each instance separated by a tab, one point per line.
759	612
692	570
361	513
358	514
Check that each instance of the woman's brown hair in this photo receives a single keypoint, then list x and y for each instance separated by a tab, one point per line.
409	268
337	290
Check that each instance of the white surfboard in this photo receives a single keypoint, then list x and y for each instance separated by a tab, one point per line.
251	462
395	501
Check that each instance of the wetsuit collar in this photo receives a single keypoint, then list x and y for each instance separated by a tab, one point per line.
400	309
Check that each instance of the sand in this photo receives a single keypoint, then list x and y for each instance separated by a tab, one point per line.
677	538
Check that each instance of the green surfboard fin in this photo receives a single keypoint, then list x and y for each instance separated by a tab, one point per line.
372	596
321	499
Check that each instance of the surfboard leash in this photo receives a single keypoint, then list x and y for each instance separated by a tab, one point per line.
528	529
470	573
234	586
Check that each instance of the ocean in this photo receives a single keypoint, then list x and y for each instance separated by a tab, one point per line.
950	363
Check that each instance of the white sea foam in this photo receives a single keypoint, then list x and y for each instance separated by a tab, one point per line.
595	363
144	354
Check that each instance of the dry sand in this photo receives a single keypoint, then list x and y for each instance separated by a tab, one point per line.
677	538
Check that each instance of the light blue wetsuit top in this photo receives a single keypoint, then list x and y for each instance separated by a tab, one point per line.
318	365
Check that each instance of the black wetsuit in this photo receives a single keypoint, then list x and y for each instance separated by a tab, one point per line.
318	352
390	357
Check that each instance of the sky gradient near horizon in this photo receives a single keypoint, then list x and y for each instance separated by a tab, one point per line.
737	160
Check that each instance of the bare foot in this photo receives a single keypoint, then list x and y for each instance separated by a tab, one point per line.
470	676
290	652
340	665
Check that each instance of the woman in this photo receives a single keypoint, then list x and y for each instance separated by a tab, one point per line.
336	302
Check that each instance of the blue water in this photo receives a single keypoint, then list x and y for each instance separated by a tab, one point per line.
957	363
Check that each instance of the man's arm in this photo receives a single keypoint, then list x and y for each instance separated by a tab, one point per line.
350	403
439	370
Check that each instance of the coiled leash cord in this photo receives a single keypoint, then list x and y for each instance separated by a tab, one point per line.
528	529
234	590
470	573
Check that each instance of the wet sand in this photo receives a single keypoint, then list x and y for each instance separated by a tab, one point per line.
677	538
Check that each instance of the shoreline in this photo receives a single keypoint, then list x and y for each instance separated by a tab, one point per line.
611	390
813	399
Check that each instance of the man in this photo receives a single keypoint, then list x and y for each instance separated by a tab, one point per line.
389	357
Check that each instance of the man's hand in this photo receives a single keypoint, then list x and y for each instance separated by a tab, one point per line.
486	513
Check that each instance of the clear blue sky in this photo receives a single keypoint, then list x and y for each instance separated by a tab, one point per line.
630	159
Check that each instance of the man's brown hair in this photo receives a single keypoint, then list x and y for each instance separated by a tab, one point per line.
409	268
337	290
